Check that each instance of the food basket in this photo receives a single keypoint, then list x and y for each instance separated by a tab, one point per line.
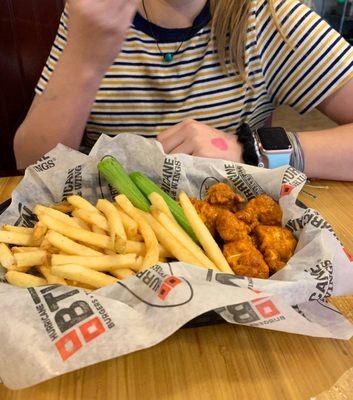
42	331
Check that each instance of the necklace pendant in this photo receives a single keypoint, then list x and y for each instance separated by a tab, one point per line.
168	57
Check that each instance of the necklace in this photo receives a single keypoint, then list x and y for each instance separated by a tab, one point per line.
167	57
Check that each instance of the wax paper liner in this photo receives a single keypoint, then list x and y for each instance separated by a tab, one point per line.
50	330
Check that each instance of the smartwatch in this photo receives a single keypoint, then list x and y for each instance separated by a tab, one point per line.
273	147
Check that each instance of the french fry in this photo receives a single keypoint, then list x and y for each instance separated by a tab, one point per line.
164	253
203	234
137	238
58	215
91	246
51	279
39	232
80	285
97	229
128	246
80	202
174	229
6	257
122	273
19	249
109	252
160	204
19	238
24	280
168	241
151	242
139	248
65	207
24	261
102	232
69	246
16	249
94	239
129	224
81	223
19	229
100	263
47	246
91	218
115	223
83	274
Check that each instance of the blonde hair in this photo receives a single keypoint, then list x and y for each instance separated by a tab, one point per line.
231	17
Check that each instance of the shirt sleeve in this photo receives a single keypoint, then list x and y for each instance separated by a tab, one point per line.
310	65
56	50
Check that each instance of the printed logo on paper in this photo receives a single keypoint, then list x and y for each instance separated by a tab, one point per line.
322	272
44	164
286	190
349	256
256	312
293	177
171	174
313	218
206	184
113	192
243	182
27	218
70	320
297	309
164	290
73	183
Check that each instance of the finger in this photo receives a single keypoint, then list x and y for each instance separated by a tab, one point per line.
173	137
170	131
187	147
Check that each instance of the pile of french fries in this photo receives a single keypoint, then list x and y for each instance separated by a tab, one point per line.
78	244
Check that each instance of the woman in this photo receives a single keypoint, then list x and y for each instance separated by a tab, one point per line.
155	71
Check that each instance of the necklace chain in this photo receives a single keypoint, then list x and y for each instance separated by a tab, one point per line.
166	56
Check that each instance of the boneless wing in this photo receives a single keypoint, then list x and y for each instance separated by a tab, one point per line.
244	259
223	196
207	213
229	227
276	244
261	210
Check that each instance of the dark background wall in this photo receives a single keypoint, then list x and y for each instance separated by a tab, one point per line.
27	30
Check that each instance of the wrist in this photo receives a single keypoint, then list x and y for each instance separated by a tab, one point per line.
87	68
246	141
238	151
271	147
274	146
297	157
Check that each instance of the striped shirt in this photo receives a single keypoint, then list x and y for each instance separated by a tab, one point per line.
143	94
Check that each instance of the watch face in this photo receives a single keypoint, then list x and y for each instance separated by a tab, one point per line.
274	139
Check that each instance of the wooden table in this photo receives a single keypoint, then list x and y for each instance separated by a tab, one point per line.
223	361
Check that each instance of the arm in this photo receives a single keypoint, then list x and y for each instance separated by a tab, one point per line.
329	153
317	63
59	115
51	119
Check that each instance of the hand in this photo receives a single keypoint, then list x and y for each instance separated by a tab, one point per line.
197	139
97	29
